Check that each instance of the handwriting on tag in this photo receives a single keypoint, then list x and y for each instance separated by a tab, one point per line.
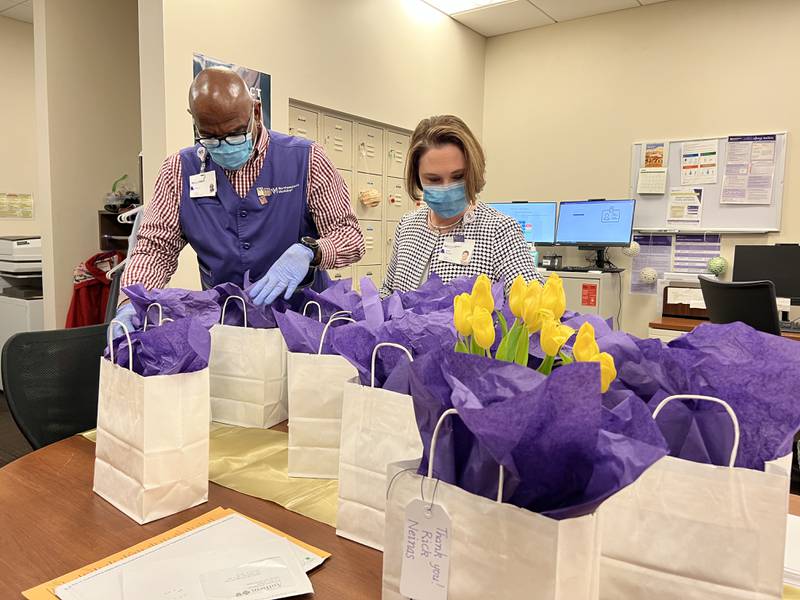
426	552
203	185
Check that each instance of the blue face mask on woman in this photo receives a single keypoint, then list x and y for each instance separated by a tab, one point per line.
232	157
447	201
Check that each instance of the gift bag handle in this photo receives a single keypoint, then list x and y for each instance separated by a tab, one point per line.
375	356
340	313
111	342
147	312
735	448
319	309
225	306
445	414
327	325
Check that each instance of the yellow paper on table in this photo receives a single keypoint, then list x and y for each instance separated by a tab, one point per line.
790	593
255	462
46	591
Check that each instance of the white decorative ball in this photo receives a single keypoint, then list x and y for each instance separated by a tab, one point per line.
717	265
648	275
632	250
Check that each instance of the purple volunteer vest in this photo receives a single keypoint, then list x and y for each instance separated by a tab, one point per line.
232	235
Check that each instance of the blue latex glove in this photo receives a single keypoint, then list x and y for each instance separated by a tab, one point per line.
283	276
127	315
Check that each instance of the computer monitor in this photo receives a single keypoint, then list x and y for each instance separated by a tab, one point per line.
537	219
595	223
779	264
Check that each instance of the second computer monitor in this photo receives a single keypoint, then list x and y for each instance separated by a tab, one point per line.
537	219
595	223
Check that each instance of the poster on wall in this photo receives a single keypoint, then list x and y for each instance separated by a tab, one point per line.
256	80
16	206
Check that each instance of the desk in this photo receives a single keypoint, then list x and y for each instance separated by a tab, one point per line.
52	523
667	328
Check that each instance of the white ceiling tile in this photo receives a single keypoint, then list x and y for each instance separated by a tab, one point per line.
4	4
566	10
504	18
20	12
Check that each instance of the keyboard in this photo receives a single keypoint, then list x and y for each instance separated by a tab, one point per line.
790	326
587	269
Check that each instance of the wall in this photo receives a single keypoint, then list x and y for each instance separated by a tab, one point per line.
393	61
88	127
563	103
17	159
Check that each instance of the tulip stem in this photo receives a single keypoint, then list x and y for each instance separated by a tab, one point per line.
503	323
547	365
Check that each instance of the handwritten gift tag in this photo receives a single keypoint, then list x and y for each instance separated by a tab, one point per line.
426	552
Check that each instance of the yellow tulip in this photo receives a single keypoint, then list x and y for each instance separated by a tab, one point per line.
462	314
483	327
585	348
531	307
554	335
608	372
516	297
482	293
553	297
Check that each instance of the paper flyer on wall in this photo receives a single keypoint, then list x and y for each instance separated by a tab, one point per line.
699	162
693	251
653	168
16	206
685	206
655	253
749	170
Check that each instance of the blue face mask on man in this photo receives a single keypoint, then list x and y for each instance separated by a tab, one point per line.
232	157
447	201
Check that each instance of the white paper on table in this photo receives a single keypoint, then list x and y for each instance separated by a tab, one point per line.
213	557
680	295
652	181
699	161
784	304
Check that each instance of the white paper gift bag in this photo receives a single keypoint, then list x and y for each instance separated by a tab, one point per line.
691	531
316	382
378	428
151	457
496	550
248	374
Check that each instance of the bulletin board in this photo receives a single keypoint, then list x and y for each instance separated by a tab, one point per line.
651	209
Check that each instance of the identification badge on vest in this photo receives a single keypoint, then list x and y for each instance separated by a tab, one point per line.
457	250
203	184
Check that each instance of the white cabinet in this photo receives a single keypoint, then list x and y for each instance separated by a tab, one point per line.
665	335
371	271
397	201
368	191
17	316
369	148
303	123
338	274
338	141
388	235
397	147
373	242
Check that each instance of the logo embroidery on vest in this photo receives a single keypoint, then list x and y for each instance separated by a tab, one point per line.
265	193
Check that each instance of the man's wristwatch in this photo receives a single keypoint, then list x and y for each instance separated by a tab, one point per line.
312	245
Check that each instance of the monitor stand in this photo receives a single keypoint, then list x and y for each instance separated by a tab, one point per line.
600	261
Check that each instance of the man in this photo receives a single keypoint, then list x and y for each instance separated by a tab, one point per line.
247	200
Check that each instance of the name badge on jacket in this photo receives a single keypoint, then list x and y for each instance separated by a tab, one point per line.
203	184
457	250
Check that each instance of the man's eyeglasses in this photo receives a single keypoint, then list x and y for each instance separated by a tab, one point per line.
232	139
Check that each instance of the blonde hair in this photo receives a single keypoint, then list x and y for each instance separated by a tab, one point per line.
437	131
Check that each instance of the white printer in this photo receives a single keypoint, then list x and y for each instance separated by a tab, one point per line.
21	266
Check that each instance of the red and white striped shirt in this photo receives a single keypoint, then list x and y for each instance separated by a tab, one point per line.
160	240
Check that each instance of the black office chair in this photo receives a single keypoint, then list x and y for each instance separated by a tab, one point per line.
751	302
51	379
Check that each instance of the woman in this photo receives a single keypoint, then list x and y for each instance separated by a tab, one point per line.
453	235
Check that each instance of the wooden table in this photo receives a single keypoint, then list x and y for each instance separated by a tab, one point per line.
52	523
687	324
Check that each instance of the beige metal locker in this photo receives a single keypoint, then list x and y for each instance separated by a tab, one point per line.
371	271
397	202
343	273
390	228
364	197
369	149
303	123
373	242
338	141
397	148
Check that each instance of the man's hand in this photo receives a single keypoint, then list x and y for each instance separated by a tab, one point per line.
283	276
